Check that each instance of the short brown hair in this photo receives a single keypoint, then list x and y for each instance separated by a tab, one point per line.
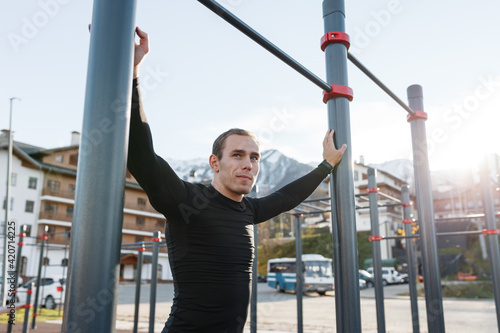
218	145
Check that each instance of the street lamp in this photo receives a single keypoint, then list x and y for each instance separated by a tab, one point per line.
7	207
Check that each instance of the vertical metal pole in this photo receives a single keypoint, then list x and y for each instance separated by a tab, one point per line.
27	308
253	297
18	261
346	275
491	225
7	207
39	275
410	251
432	278
138	277
377	258
299	272
97	223
154	280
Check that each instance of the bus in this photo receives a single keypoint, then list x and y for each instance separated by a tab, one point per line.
318	276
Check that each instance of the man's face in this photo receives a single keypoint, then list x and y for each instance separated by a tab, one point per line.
237	170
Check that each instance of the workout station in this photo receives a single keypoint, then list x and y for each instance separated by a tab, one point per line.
95	246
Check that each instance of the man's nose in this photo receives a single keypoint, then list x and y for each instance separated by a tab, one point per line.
247	164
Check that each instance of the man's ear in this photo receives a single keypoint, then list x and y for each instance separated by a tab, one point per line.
214	163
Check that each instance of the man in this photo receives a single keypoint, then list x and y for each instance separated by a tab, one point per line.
209	230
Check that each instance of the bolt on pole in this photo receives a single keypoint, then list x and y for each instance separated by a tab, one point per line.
100	183
432	276
377	257
348	307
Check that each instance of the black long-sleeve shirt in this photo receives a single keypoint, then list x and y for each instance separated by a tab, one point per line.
209	236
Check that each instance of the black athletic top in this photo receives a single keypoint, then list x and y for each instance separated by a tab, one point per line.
209	236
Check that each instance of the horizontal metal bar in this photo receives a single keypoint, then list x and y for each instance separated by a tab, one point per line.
379	83
317	199
259	39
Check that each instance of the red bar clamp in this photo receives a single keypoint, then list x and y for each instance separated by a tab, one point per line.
20	244
490	232
407	204
141	249
407	221
335	37
338	91
417	115
373	190
375	238
155	239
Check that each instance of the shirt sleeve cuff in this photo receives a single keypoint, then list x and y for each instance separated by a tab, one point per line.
325	167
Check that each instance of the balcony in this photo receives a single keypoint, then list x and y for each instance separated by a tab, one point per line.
58	193
55	216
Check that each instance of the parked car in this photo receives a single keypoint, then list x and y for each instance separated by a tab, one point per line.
404	277
51	292
389	275
362	283
367	277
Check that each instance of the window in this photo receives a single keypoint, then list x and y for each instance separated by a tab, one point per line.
32	183
53	185
27	229
73	159
160	223
139	239
69	211
50	208
447	206
59	158
24	265
30	206
356	175
71	188
11	203
139	220
45	261
13	179
64	262
141	202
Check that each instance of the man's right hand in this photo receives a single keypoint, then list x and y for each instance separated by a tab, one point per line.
140	50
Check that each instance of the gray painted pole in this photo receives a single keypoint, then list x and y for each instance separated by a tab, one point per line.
410	252
348	307
154	281
253	297
432	276
7	207
138	277
97	223
492	232
377	257
299	272
39	275
27	308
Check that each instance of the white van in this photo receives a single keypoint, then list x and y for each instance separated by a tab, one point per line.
389	275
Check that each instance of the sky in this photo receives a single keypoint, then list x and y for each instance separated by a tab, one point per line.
203	77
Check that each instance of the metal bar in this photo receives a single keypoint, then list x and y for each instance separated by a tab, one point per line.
299	272
387	196
7	208
346	274
376	254
39	275
493	247
253	297
432	278
138	277
27	308
379	83
259	39
318	199
154	282
300	211
412	264
100	183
